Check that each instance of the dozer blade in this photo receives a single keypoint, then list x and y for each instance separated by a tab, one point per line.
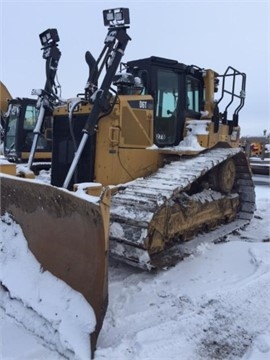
68	235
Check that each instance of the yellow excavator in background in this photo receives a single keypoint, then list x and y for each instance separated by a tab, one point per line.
152	134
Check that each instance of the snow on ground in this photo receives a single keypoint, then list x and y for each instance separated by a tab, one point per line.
38	302
213	305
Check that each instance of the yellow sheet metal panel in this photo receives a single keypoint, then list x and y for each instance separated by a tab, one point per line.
7	168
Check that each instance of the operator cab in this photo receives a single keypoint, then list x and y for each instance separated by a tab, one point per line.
20	121
178	93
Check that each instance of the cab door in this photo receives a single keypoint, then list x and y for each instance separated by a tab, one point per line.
166	107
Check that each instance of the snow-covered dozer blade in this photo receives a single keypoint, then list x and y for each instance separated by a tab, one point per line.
67	234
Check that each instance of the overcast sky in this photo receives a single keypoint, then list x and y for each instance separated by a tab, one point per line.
209	34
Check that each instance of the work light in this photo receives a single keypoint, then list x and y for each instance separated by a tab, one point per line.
116	17
49	37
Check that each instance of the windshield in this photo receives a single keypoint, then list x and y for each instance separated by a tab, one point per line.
12	122
30	118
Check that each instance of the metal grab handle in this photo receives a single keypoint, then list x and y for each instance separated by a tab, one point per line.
112	131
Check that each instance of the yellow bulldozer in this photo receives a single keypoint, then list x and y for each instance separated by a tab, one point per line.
26	123
19	117
153	135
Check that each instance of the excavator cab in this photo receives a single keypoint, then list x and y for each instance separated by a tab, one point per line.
20	121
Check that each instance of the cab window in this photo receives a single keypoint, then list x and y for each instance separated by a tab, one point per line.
31	116
166	107
193	98
12	121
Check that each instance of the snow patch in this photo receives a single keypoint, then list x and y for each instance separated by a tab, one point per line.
116	230
42	303
194	128
198	127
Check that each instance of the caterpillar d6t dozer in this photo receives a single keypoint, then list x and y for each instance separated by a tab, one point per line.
160	137
153	132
